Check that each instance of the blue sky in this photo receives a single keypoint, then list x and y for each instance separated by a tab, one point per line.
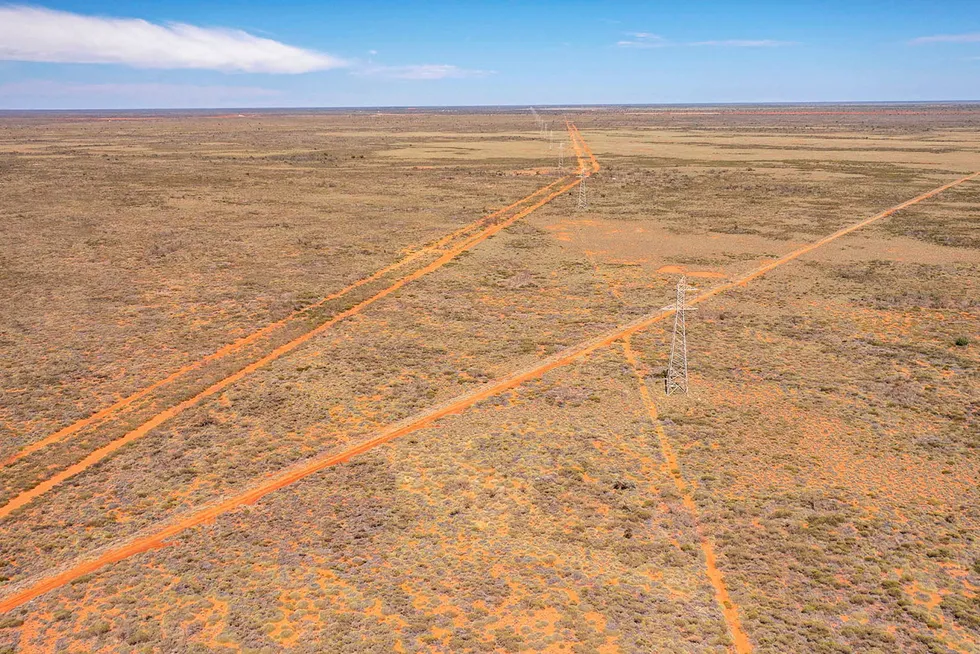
288	53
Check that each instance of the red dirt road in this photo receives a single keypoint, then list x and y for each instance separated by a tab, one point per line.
157	537
101	453
728	607
109	411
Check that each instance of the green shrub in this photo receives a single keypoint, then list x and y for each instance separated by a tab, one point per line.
964	611
99	628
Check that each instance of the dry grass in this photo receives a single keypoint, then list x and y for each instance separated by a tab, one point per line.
830	439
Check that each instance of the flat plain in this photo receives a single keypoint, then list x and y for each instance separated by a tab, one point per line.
195	305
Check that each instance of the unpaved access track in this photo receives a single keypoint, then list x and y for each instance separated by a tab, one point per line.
157	535
223	352
447	248
729	609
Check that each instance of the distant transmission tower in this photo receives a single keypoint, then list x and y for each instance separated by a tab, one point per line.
561	157
676	380
538	120
583	199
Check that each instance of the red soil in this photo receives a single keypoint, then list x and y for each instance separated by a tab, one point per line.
237	345
98	455
157	538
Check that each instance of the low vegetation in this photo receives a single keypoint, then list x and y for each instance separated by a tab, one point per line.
829	441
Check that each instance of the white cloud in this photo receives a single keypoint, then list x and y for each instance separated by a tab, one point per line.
45	35
643	40
947	38
422	72
745	43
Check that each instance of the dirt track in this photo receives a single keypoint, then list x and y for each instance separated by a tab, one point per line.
728	607
157	538
577	135
490	226
107	412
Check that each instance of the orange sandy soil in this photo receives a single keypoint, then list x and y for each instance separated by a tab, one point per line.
512	524
131	249
829	444
442	252
834	439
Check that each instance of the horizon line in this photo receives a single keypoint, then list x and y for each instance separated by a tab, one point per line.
520	106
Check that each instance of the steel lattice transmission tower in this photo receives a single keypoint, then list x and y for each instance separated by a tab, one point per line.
583	198
561	157
676	380
538	120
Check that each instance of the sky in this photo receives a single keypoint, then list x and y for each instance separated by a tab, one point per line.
289	53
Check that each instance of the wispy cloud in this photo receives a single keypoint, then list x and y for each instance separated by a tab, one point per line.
947	38
421	72
745	43
45	35
643	40
648	40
